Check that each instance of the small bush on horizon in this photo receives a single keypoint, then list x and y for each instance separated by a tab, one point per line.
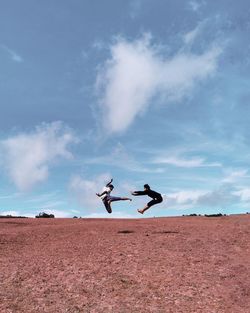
45	215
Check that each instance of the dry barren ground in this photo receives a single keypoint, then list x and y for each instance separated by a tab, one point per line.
183	264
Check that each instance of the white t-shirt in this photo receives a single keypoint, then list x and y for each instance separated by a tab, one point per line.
108	191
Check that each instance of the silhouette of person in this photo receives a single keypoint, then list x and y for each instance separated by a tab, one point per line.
107	198
157	197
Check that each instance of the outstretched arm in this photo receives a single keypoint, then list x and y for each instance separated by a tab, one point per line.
101	194
109	182
138	193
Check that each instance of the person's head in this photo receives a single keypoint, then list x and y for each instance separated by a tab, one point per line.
146	187
111	187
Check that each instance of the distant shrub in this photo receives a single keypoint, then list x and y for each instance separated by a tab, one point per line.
192	214
10	216
214	215
45	215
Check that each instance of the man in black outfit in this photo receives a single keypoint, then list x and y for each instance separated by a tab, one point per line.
157	197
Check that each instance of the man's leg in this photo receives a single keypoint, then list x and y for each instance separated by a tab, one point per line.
143	209
152	202
107	206
113	199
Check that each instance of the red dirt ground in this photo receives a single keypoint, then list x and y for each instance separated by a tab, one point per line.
161	265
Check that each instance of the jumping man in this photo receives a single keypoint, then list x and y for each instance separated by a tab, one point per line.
157	197
107	198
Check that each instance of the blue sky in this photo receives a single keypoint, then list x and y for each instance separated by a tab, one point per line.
145	91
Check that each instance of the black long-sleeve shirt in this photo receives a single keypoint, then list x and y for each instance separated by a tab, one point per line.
151	193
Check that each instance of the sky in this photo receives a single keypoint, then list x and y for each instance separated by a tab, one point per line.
141	91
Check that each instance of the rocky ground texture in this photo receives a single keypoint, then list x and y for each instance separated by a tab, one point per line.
161	265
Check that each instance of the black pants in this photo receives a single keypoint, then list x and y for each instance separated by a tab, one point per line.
107	205
154	201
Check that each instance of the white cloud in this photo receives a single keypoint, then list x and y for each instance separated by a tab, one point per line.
235	175
85	189
27	157
136	72
244	194
184	199
190	37
46	197
188	163
11	212
17	213
135	8
51	204
219	197
57	213
121	158
13	55
196	5
10	196
99	45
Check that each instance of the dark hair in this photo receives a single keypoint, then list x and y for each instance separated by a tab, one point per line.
111	186
146	186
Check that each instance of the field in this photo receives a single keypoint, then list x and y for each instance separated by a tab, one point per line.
161	265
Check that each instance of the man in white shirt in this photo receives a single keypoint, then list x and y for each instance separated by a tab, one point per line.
107	198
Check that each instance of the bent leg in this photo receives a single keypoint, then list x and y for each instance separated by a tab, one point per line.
151	203
154	201
107	206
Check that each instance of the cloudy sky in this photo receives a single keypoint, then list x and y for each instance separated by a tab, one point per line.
144	91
